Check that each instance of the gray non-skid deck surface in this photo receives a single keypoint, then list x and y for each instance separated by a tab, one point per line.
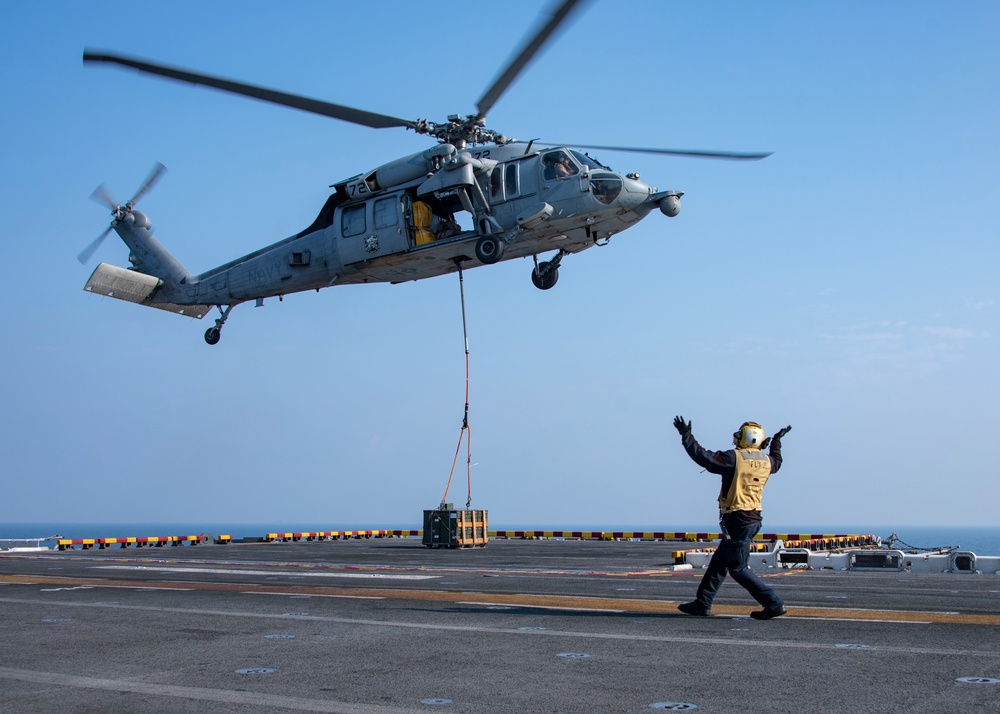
519	626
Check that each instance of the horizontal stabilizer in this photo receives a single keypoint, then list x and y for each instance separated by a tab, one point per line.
132	286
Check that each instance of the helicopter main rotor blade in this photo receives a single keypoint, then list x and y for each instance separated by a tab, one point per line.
89	250
736	155
517	65
315	106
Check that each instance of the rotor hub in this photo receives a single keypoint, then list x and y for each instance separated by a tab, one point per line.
459	131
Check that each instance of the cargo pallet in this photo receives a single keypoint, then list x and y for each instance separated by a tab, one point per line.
447	527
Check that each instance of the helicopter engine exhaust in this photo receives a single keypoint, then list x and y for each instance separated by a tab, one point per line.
670	205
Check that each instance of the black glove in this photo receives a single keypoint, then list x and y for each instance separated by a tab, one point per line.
781	433
681	427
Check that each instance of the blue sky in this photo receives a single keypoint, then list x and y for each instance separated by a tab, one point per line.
846	285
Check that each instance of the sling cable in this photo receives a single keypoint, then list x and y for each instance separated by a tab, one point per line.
466	431
446	526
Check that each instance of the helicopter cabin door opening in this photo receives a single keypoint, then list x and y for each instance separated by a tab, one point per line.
435	219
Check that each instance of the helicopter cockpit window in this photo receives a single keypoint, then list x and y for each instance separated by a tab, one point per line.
557	165
605	187
352	221
386	213
588	161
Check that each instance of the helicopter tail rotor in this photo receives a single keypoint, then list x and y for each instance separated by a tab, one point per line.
102	196
87	252
154	176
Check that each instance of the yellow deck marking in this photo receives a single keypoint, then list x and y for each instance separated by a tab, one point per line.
664	607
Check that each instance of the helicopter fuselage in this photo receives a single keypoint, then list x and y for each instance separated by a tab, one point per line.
425	215
371	232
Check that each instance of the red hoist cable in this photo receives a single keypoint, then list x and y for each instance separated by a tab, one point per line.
466	430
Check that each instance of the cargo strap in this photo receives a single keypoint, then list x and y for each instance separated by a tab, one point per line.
466	431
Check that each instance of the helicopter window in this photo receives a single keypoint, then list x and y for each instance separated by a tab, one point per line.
385	212
587	161
496	184
352	221
606	187
558	165
510	180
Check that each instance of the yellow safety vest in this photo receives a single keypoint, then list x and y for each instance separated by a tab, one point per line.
422	219
753	468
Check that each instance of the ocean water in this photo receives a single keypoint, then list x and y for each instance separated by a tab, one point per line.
982	540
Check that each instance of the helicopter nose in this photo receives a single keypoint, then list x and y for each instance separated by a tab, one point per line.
634	194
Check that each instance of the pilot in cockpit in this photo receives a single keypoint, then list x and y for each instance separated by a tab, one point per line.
558	165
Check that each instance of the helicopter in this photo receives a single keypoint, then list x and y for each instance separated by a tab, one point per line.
476	197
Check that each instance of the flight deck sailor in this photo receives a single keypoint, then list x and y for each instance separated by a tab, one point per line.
745	471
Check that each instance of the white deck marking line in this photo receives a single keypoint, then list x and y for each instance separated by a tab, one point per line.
297	573
224	696
710	641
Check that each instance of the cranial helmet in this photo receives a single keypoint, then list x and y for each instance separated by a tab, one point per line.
749	436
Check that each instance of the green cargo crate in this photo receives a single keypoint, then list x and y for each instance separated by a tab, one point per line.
451	528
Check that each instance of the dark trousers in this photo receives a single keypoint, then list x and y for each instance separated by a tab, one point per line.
733	556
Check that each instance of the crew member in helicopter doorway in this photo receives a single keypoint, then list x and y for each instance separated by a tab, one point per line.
744	471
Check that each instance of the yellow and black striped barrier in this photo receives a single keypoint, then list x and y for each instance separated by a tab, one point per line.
814	542
296	536
129	542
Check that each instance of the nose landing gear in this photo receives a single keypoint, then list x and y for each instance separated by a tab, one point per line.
214	334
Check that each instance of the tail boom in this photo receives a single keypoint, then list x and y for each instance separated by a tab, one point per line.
133	286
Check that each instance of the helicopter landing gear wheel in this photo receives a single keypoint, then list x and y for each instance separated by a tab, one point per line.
214	334
490	249
545	275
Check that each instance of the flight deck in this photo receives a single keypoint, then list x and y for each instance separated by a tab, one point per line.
385	625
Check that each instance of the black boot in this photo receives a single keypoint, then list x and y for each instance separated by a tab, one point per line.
694	608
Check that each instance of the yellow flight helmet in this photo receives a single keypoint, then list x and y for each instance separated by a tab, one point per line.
749	436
